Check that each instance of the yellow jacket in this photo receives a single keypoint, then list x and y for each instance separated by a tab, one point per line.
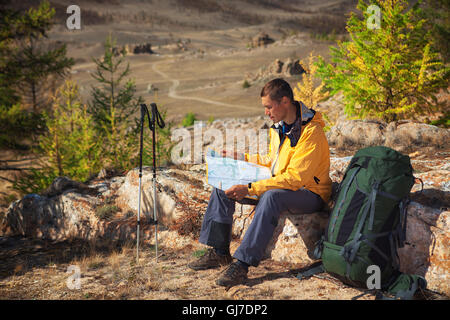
302	161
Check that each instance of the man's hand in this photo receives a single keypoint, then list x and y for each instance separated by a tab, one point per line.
237	192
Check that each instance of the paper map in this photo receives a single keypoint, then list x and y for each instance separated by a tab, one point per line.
223	172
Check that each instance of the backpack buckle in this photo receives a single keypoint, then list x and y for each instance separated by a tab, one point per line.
346	253
319	248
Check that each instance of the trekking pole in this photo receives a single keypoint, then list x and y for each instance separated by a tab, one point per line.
156	118
143	111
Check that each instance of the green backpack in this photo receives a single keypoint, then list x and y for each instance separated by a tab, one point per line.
368	223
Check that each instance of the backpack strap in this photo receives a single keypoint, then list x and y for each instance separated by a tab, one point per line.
317	254
310	272
373	197
343	198
404	287
349	251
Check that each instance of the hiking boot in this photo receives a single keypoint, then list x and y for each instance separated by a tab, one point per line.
235	274
211	260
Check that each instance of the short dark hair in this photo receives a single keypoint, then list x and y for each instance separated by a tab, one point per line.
276	89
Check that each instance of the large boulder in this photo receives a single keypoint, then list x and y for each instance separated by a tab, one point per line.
178	192
408	135
294	238
426	251
356	134
404	136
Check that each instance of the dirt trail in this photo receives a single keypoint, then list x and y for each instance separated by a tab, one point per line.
175	84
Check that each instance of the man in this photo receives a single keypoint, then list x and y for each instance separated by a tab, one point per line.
300	161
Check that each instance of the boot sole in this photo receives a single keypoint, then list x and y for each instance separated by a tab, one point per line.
197	268
230	284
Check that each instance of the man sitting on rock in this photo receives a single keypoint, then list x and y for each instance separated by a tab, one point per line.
300	162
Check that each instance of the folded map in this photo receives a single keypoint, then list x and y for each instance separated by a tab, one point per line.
223	173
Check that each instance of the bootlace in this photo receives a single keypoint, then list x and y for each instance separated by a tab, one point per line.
233	270
210	253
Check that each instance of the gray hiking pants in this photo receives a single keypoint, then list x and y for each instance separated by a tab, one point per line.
218	219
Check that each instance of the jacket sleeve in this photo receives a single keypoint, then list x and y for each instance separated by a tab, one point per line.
300	172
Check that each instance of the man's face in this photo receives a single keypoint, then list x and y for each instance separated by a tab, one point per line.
275	110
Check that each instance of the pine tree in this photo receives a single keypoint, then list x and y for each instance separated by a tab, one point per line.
114	108
72	145
30	60
28	65
69	148
388	73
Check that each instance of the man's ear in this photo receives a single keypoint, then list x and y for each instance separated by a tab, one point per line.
285	101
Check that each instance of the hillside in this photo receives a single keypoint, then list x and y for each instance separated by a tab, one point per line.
211	58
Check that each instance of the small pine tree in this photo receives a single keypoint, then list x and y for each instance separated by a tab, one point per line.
188	119
114	106
36	63
69	148
72	145
306	91
389	73
28	66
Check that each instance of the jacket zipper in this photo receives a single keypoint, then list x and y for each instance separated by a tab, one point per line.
278	153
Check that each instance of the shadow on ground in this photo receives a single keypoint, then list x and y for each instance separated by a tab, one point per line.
20	255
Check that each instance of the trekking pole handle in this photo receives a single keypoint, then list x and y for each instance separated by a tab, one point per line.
156	117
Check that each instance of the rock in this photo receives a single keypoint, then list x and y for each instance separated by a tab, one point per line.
404	136
426	251
293	67
408	135
177	192
261	39
63	216
61	184
142	48
356	134
276	67
294	237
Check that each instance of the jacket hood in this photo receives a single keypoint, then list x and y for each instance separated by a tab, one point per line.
304	116
318	119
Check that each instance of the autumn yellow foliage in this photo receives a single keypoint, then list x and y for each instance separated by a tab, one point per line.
306	91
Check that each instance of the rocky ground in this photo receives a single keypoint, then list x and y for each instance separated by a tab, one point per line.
35	268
